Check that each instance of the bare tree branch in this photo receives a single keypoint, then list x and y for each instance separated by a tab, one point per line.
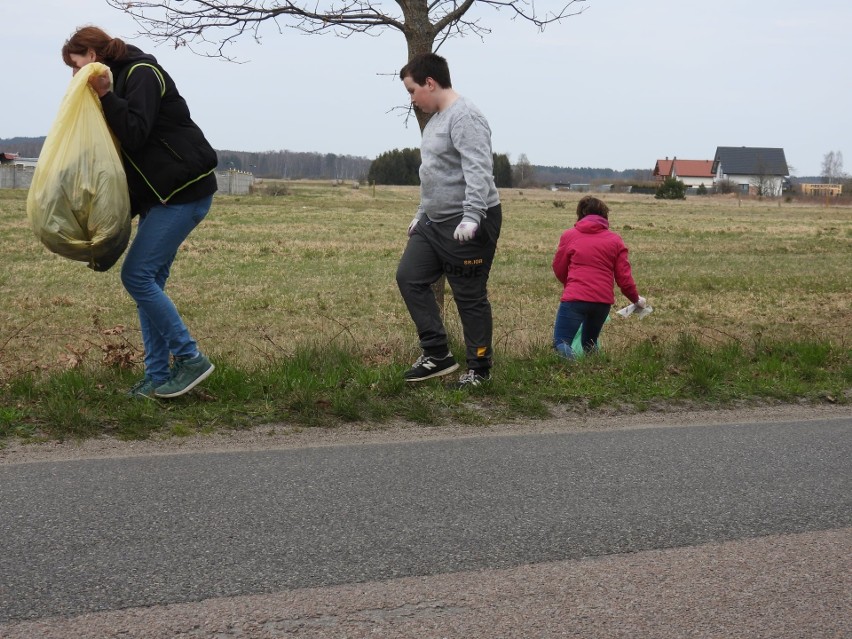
208	27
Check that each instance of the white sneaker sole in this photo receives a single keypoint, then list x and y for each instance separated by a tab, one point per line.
440	373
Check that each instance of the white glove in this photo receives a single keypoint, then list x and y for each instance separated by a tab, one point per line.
412	225
465	231
642	302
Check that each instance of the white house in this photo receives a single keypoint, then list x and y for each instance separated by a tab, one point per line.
753	170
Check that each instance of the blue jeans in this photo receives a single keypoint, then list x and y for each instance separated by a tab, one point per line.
144	274
570	317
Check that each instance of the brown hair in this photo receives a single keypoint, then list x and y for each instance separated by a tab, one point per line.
427	65
105	47
591	205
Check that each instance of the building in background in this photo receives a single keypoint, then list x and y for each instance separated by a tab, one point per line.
693	173
758	171
16	172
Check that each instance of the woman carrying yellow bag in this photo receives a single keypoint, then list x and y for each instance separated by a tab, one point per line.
169	166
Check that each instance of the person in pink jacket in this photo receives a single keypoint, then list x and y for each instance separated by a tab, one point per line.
589	258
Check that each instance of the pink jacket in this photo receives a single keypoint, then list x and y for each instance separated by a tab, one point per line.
588	259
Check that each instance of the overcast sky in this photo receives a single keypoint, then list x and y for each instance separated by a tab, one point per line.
620	86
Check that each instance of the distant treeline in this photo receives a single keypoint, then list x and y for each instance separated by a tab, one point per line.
296	165
545	175
269	164
300	165
25	147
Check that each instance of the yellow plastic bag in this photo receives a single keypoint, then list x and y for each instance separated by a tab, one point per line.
78	204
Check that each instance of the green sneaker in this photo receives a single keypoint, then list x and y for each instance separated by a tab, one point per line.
187	373
143	388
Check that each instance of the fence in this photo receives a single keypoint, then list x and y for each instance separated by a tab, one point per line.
234	182
832	190
15	176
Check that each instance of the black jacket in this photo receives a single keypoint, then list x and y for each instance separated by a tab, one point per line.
166	156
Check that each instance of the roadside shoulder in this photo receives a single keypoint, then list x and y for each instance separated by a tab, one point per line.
287	436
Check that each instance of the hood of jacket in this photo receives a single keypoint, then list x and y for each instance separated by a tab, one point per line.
592	224
135	55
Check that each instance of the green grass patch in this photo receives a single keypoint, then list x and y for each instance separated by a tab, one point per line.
331	386
295	300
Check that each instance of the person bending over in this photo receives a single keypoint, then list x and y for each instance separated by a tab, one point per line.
169	166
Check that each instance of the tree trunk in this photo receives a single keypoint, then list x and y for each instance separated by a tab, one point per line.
420	37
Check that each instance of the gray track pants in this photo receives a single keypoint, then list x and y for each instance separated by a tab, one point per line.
431	252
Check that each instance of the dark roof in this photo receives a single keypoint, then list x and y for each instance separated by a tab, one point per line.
747	160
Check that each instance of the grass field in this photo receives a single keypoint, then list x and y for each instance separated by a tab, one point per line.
265	279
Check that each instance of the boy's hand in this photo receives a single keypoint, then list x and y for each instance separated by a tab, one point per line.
412	225
641	303
465	231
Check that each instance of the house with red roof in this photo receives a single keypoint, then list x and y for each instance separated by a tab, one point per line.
693	173
662	170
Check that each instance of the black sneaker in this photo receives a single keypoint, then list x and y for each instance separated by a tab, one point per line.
472	378
428	366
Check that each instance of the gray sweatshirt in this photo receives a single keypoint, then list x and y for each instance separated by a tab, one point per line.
457	168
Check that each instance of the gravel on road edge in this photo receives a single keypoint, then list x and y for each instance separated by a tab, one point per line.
282	436
781	586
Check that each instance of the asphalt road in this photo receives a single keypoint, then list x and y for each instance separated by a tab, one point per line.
108	534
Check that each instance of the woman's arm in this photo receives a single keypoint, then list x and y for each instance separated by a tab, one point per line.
624	275
562	259
131	117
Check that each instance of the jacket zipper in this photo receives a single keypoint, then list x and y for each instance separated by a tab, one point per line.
170	149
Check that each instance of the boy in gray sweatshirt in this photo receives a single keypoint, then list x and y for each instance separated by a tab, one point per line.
455	229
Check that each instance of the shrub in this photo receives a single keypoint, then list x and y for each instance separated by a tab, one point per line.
671	189
271	188
725	186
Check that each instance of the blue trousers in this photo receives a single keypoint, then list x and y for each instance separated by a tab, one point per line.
570	317
144	273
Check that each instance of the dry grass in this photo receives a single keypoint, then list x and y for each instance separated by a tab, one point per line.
263	275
